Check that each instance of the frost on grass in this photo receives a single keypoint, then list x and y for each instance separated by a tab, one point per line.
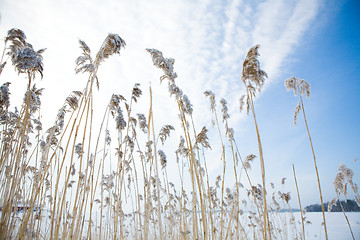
27	60
165	64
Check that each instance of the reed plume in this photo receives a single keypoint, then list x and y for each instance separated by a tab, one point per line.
66	182
253	78
344	178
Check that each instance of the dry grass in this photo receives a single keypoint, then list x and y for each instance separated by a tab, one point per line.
74	181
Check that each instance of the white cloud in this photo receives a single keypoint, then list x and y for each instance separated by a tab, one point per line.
280	27
209	40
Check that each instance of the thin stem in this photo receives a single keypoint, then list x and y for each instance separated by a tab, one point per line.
347	220
156	171
316	169
301	212
262	164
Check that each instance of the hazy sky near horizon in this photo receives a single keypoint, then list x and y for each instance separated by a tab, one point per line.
314	40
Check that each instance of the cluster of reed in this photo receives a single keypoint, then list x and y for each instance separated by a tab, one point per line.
72	181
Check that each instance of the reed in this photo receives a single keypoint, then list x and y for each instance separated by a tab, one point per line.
253	78
342	180
301	87
301	210
76	180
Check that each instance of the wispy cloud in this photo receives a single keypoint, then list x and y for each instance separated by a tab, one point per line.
208	38
281	25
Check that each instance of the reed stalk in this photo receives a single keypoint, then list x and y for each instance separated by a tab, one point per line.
65	180
316	168
301	211
301	87
346	218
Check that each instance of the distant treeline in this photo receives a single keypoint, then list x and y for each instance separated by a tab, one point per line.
349	206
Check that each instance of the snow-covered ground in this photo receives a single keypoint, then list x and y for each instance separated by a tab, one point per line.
337	226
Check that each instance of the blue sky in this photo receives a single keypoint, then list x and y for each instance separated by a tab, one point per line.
329	60
309	39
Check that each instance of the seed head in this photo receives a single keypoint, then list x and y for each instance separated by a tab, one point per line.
250	158
211	97
347	172
296	113
73	99
182	150
252	76
112	45
165	133
285	196
299	86
187	106
17	39
4	96
120	122
78	150
142	122
73	170
339	183
107	137
163	159
202	139
136	92
224	109
28	60
230	132
84	63
35	101
331	204
165	64
16	36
